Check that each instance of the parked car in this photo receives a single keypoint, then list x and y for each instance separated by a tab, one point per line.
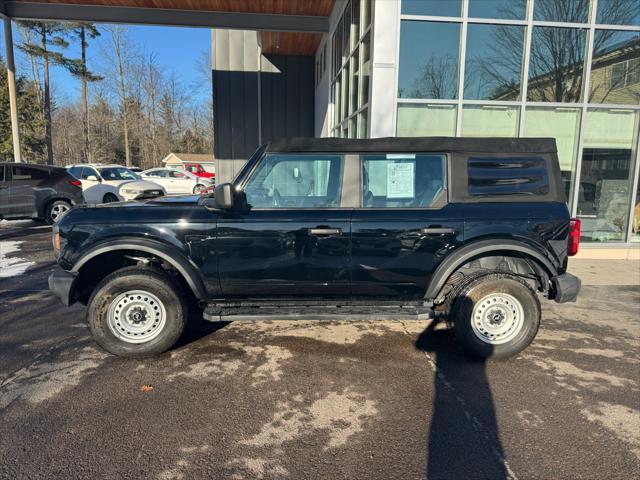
135	169
476	230
113	183
177	181
199	170
37	191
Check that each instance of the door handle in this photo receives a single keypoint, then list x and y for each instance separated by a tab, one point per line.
325	231
439	231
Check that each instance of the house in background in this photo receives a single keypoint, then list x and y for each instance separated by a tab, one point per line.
200	164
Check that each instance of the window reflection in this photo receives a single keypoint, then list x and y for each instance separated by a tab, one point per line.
635	215
607	173
555	69
494	62
573	11
511	9
430	71
618	12
615	69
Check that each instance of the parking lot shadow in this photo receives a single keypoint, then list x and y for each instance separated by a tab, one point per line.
463	437
197	328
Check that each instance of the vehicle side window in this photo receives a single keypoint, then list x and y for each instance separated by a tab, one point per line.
1	173
27	173
76	172
176	175
87	172
191	168
159	173
296	181
401	180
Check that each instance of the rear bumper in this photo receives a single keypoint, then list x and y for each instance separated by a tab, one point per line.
61	283
566	287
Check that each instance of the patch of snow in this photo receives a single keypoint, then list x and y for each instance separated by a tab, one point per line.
11	267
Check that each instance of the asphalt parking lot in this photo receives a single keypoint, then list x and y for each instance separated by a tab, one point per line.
302	400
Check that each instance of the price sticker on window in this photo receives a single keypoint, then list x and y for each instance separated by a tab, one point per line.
400	180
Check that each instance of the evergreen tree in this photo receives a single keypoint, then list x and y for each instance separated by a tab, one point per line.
29	118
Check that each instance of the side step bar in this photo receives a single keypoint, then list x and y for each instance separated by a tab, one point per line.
218	313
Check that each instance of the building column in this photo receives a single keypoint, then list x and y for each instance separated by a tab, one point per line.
385	36
11	80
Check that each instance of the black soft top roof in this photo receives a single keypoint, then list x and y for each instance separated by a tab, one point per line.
415	144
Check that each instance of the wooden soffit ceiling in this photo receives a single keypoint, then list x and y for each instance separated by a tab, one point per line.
277	7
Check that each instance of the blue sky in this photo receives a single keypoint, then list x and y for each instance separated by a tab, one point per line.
178	49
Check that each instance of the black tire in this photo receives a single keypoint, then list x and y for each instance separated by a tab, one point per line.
52	213
110	198
478	297
129	279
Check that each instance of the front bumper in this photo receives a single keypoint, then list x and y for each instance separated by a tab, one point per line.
566	287
62	283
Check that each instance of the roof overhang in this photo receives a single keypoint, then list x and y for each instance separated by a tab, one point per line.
92	11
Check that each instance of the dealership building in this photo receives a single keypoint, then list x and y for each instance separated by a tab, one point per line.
568	69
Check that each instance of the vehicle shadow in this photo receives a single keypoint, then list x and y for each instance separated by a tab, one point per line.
197	328
463	437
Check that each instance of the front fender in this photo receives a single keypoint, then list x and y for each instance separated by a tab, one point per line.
168	253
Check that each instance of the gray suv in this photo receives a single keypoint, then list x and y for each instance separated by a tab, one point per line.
37	191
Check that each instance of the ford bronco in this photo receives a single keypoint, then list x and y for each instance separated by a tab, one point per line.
473	230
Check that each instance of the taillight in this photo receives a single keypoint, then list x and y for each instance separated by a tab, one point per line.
76	183
574	237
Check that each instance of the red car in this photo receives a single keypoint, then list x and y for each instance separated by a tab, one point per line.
198	170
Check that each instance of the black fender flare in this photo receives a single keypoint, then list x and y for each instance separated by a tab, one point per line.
464	254
167	253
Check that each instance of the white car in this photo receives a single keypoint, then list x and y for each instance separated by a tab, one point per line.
113	183
177	181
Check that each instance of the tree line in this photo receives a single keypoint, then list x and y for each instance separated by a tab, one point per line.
130	108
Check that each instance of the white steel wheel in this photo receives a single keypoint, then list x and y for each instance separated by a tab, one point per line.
497	318
136	316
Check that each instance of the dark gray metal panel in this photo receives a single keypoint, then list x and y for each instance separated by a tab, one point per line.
163	16
3	8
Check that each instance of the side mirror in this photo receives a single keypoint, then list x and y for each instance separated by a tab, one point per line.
92	178
223	196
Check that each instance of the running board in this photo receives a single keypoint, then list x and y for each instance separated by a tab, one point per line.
218	313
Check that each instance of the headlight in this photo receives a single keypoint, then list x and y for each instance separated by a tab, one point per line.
132	192
58	242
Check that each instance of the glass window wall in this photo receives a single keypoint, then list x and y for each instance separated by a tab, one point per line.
493	66
606	175
618	12
438	8
615	67
424	120
509	9
489	121
571	11
430	71
563	124
556	64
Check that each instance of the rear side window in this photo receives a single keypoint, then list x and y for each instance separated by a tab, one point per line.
28	173
490	176
402	180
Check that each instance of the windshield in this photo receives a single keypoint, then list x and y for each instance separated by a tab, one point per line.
118	173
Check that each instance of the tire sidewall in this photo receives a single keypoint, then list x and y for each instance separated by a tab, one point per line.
47	216
462	315
119	282
109	198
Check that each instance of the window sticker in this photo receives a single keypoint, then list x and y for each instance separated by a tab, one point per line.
400	180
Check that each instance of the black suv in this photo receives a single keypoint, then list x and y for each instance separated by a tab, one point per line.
473	230
37	191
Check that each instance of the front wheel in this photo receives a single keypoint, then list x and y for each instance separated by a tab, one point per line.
109	198
137	312
496	316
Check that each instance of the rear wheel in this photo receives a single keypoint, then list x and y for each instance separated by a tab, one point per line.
136	312
496	316
56	210
109	198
